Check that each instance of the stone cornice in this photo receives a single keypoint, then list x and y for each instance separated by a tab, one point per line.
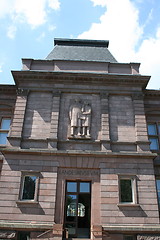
152	93
77	153
25	225
93	78
133	228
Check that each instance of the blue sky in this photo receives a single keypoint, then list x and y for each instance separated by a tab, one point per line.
28	28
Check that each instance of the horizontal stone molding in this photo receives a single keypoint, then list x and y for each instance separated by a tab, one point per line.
25	225
78	153
133	228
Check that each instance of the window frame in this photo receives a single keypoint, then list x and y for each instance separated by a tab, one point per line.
157	178
23	175
133	180
5	130
156	136
129	235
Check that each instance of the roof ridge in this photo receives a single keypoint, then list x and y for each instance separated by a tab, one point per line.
81	42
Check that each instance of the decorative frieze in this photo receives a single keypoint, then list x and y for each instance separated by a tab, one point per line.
148	237
7	234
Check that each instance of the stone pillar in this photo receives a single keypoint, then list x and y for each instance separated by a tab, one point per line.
52	141
140	123
96	232
105	137
57	231
15	134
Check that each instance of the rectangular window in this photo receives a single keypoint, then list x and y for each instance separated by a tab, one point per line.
29	187
127	190
129	237
23	235
154	135
158	190
4	129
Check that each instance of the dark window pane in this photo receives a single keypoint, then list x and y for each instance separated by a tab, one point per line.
29	187
71	187
3	138
159	129
129	237
71	227
126	190
158	189
5	124
152	129
154	144
84	187
23	235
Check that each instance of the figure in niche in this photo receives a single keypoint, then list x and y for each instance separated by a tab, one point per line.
75	113
80	117
86	119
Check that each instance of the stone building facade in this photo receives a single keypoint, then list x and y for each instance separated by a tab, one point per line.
79	143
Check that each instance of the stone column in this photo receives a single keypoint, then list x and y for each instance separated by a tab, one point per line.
52	141
140	123
15	134
96	231
105	137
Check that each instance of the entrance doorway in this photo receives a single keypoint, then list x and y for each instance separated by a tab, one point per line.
78	209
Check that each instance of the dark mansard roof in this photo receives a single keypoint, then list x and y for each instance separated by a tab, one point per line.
81	50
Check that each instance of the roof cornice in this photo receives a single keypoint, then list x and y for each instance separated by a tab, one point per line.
69	77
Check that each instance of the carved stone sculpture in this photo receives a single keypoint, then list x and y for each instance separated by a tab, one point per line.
86	119
80	118
7	234
75	113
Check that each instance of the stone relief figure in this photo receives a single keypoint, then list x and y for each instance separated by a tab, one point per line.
86	119
80	117
75	114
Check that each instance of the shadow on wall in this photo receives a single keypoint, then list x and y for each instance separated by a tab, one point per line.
133	211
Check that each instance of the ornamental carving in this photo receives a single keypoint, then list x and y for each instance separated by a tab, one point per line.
148	237
7	235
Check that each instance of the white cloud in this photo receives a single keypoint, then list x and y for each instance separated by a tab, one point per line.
120	25
99	2
148	55
11	31
32	12
5	7
54	4
51	28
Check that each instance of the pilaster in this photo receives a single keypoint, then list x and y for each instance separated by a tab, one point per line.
105	137
15	135
52	141
140	123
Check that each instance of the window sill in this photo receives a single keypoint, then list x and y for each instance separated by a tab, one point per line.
26	202
128	205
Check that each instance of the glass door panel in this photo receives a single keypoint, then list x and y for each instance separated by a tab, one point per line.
77	209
